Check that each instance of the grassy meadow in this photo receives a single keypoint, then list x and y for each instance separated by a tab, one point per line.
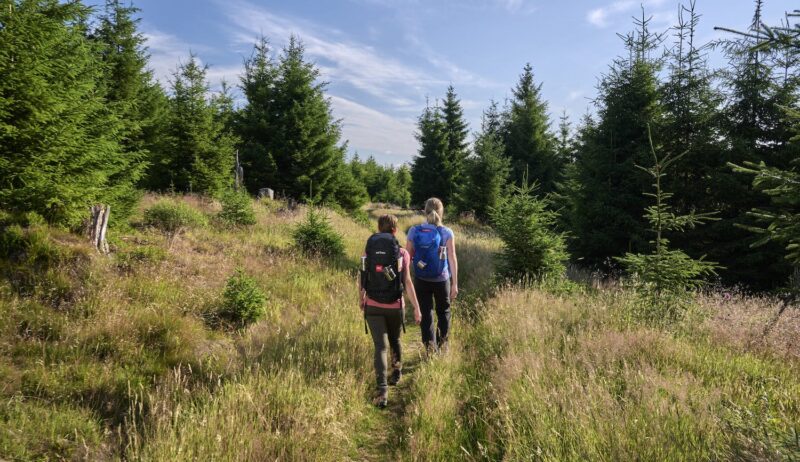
124	358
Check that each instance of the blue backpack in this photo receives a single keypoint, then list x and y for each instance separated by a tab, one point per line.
427	240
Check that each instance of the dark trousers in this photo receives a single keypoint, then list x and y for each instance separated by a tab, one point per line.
385	325
428	293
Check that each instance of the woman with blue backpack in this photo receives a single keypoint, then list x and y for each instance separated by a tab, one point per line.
432	248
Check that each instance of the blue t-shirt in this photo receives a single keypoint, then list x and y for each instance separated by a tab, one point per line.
446	234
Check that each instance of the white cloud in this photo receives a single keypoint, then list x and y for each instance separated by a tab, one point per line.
599	16
602	16
167	52
339	59
370	131
574	95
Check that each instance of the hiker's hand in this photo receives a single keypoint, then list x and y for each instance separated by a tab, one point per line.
417	316
453	291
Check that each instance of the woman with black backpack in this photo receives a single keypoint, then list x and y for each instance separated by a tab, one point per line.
384	278
433	250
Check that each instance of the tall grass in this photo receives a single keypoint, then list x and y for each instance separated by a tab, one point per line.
119	358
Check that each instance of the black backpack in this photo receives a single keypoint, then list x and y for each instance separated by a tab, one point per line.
379	273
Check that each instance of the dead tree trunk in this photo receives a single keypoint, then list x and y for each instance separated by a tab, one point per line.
98	224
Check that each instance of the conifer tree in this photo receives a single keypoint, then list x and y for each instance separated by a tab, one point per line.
665	277
200	152
780	223
304	133
607	219
489	169
457	151
257	119
692	124
527	140
757	130
129	85
429	164
403	196
59	140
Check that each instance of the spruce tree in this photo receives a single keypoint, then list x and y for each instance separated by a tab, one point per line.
692	124
780	222
527	140
457	151
757	130
607	219
200	151
403	196
665	278
305	135
428	166
257	120
59	140
489	169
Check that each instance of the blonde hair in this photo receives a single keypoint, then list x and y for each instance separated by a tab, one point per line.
434	211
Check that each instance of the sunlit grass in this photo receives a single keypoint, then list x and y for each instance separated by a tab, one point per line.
120	357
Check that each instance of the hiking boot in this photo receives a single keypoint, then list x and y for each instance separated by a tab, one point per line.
381	399
396	374
430	350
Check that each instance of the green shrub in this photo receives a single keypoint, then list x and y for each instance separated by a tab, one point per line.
173	218
531	249
243	301
237	209
316	237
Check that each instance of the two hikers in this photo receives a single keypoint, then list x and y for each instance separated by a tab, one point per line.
386	274
433	250
384	277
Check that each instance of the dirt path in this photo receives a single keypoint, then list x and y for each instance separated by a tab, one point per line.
386	432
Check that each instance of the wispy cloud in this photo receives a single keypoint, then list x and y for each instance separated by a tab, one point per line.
372	132
167	52
603	16
340	59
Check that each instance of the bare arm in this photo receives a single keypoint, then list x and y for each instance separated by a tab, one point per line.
453	262
412	295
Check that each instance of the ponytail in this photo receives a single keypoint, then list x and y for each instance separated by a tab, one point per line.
433	218
434	211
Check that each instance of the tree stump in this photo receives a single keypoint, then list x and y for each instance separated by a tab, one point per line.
98	224
266	192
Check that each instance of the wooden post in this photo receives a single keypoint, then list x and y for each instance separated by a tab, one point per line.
98	225
238	174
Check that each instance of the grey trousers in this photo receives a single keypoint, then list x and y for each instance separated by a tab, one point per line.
385	325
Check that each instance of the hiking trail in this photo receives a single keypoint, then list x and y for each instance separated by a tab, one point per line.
386	431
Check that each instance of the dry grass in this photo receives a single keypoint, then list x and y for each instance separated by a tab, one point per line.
107	358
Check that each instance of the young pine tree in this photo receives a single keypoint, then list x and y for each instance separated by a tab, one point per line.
665	278
59	140
532	250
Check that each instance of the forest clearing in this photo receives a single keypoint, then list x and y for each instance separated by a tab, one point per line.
194	269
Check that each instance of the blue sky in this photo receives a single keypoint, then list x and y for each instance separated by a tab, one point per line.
384	58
